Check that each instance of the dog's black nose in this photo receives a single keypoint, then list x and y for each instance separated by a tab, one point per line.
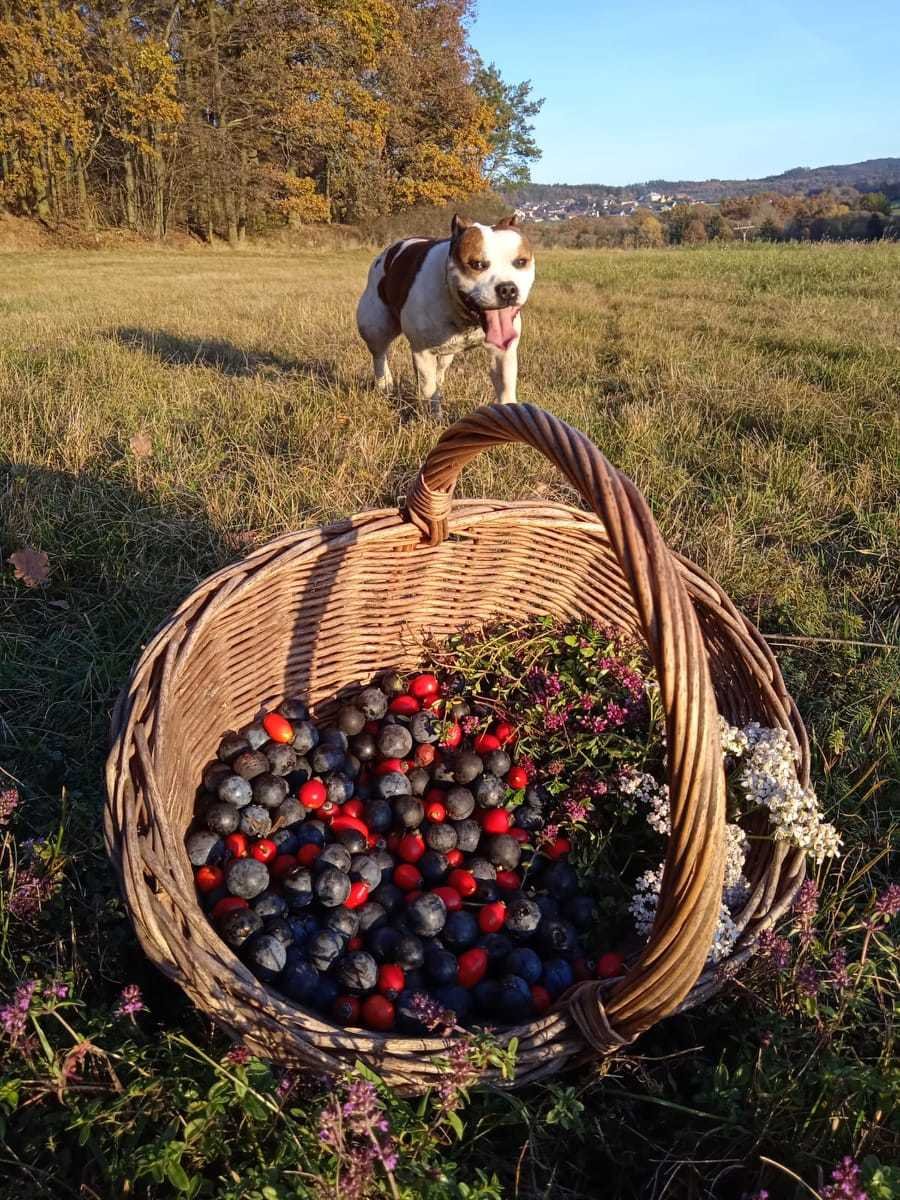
507	293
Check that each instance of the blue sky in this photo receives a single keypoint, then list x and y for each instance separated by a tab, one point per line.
696	91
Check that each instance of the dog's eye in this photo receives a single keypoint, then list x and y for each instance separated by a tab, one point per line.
520	263
478	264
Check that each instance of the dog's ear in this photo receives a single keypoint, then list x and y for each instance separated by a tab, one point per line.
458	225
506	223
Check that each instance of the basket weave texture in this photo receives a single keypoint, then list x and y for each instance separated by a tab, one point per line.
316	611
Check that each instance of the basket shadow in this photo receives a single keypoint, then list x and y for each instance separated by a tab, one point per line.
177	350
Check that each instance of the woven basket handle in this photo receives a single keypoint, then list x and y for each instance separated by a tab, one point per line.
691	894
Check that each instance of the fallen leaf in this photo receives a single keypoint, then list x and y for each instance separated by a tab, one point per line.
32	566
141	446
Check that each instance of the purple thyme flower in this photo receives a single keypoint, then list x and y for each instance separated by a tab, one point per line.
239	1056
845	1182
556	767
775	948
362	1109
840	976
286	1084
599	725
888	903
30	893
130	1001
432	1015
461	1072
9	802
14	1016
806	903
469	724
56	991
807	981
575	810
616	714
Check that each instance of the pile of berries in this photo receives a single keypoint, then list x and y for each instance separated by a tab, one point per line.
355	866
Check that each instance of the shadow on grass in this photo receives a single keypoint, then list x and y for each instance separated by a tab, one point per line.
176	350
121	559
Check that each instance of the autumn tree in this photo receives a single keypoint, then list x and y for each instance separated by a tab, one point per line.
511	144
46	87
227	115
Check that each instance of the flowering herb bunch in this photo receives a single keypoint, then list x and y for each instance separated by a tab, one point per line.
585	702
583	698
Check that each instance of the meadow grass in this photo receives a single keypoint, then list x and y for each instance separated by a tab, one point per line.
751	392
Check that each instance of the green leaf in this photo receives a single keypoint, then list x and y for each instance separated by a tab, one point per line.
453	1119
178	1177
367	1073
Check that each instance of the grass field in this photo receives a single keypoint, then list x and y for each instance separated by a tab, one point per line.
160	413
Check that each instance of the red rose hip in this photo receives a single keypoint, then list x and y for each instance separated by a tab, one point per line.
424	686
472	966
485	743
610	965
496	820
425	754
391	980
404	706
278	728
237	845
226	905
346	1010
313	794
463	882
283	864
450	896
541	999
517	777
407	877
209	878
265	850
359	894
452	737
492	917
308	854
411	848
378	1013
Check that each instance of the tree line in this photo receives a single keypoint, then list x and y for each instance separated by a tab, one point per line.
843	215
225	117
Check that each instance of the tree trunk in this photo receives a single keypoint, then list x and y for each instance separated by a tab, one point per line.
242	197
130	191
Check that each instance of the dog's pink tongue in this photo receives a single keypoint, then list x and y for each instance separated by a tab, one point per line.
499	329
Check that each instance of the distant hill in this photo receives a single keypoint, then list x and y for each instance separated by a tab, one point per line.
873	175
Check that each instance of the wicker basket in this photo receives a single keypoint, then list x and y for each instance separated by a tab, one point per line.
315	611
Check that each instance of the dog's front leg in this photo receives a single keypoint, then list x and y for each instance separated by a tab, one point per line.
505	372
426	365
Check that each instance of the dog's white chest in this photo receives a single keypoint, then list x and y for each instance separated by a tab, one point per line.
458	340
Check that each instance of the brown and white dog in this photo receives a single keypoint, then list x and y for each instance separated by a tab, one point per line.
447	296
